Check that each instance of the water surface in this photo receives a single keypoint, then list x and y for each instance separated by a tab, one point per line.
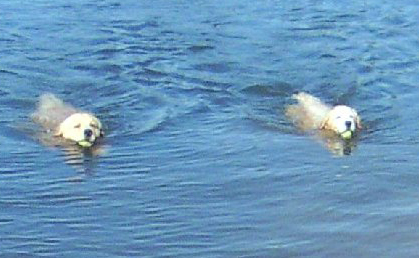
200	160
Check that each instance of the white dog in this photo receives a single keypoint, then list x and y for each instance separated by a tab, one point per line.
311	114
67	122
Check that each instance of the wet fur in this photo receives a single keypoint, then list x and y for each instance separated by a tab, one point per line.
310	114
52	114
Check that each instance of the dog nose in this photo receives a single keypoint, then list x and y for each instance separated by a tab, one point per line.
348	124
88	133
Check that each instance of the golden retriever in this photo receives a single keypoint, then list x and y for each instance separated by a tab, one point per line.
65	121
310	114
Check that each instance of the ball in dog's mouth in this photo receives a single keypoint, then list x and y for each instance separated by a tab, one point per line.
346	135
85	144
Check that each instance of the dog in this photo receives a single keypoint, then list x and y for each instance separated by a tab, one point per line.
333	124
65	121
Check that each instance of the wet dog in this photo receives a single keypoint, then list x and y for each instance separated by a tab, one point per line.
310	114
64	121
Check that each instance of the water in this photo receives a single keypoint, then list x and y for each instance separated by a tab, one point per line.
200	160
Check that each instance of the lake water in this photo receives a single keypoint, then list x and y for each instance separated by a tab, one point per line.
200	160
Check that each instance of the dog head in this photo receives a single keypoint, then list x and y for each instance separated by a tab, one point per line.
83	128
343	120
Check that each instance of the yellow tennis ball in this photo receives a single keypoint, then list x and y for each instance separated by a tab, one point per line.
85	144
346	135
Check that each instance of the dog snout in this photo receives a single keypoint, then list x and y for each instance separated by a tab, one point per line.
348	124
88	133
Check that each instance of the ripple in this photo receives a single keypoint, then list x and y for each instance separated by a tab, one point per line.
213	68
198	158
279	89
200	48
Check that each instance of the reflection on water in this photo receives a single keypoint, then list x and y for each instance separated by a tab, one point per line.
83	159
198	158
336	144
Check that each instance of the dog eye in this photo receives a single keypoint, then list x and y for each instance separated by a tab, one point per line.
94	126
77	126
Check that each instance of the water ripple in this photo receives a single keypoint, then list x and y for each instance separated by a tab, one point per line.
199	159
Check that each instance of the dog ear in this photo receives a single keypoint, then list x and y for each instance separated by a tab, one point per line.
357	119
325	123
58	133
358	122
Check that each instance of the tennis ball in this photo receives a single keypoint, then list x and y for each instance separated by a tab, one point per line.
346	135
85	144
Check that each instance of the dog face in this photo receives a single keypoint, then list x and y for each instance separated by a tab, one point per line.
83	128
342	119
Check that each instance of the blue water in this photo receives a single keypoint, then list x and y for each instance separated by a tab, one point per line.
200	160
